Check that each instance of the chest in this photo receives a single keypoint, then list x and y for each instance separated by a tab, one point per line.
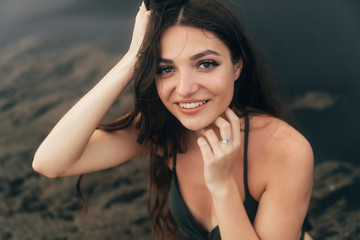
190	175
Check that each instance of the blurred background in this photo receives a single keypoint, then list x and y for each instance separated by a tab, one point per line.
52	52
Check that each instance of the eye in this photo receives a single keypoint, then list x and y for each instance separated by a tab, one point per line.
164	70
207	64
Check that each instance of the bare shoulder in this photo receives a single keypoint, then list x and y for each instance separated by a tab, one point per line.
277	151
274	137
280	174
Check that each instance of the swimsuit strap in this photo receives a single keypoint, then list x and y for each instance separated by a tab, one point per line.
174	160
247	193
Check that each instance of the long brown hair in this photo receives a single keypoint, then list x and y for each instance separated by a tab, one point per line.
156	125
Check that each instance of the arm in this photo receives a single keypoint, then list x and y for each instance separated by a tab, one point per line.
284	202
74	146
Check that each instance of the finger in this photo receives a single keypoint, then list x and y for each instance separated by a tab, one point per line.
224	127
213	141
141	22
142	13
142	7
235	125
205	149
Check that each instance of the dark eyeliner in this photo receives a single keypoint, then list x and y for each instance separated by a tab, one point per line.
162	68
211	62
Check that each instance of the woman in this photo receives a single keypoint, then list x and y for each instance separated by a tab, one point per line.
222	160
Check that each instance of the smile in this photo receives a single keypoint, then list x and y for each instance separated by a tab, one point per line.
191	105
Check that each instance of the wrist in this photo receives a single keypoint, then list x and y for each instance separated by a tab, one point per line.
223	189
128	60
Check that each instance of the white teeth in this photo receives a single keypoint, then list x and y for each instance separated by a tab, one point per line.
191	105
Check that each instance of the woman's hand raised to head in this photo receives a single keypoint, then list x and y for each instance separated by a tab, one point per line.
220	146
141	22
74	146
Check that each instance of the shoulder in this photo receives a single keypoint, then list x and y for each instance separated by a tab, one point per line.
281	174
277	150
276	138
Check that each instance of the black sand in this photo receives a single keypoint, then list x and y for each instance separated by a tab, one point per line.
38	82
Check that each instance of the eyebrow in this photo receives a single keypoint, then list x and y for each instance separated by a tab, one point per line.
204	53
194	57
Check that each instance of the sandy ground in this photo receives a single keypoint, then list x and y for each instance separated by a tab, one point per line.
38	83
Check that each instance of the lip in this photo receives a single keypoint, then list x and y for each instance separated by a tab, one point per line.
191	111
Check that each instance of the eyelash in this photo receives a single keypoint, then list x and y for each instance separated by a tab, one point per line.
162	69
210	63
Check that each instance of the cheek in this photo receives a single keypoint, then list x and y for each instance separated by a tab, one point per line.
227	94
163	92
225	90
159	87
224	84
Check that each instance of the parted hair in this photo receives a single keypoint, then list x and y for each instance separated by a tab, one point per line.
156	125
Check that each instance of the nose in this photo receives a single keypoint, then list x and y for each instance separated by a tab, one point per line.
186	85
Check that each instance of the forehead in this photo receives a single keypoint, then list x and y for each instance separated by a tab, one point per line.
180	41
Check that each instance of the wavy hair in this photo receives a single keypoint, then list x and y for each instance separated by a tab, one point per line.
156	125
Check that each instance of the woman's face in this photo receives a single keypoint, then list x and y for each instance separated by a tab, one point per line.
195	78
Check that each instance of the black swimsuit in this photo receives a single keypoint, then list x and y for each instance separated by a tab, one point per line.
185	219
182	214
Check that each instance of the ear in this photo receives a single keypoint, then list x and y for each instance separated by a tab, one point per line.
238	66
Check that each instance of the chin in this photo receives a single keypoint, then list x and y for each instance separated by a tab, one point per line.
196	125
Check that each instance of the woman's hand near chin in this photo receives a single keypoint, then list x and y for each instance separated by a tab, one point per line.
220	146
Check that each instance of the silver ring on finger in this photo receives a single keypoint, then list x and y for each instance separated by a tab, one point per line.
224	141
